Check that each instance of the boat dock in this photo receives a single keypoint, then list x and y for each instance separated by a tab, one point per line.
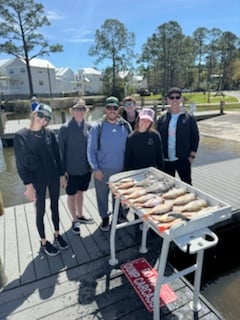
79	283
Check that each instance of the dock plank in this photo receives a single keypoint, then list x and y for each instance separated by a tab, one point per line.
39	262
11	261
24	247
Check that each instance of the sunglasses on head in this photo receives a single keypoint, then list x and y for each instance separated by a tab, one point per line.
80	109
174	97
112	108
43	116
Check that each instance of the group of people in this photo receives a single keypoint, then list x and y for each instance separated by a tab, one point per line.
123	139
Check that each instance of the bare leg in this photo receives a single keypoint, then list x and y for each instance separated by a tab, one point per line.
79	203
71	201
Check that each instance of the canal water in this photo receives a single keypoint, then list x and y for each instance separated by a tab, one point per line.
221	281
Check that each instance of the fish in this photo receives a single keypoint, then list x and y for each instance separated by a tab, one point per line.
194	205
142	199
184	199
122	192
122	184
206	210
150	203
159	209
174	193
160	186
146	182
135	194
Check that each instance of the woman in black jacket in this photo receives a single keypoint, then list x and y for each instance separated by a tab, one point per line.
39	166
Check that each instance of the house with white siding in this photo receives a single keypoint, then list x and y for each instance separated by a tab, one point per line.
14	79
90	81
65	80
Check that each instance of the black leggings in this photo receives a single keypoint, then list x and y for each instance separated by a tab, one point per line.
53	188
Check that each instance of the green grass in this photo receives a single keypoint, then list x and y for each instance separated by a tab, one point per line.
201	100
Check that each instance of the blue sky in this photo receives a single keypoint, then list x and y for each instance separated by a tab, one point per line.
74	22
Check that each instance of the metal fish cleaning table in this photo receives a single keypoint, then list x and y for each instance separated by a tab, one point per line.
193	236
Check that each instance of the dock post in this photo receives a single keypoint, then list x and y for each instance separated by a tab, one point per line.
222	104
63	116
2	121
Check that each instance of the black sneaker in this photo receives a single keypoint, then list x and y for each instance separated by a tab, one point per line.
62	244
76	227
85	220
49	249
105	224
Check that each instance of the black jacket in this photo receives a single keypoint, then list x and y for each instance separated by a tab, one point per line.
37	156
187	134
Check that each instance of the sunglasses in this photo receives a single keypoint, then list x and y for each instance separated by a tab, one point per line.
129	104
112	108
174	97
43	116
79	109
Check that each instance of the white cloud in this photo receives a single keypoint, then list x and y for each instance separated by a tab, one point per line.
79	36
51	15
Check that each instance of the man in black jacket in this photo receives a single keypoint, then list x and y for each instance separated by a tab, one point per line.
180	137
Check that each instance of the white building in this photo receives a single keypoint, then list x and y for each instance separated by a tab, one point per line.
14	79
89	81
65	79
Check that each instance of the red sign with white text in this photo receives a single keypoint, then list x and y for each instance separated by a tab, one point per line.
143	278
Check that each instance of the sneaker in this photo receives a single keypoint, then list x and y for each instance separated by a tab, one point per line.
76	227
85	220
49	249
105	224
62	244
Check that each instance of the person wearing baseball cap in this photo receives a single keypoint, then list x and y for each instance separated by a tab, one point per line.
106	147
72	137
144	144
40	168
180	136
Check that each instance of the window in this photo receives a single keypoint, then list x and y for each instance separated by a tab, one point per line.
22	70
40	82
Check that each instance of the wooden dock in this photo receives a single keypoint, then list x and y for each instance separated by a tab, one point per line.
79	283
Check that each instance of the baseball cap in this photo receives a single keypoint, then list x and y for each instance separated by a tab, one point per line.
112	101
147	113
174	90
44	109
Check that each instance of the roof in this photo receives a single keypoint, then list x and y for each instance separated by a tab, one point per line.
61	71
87	71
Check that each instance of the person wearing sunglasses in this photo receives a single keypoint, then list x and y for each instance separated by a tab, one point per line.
40	168
73	136
130	112
106	147
180	137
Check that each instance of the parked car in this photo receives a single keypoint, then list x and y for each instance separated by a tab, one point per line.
144	92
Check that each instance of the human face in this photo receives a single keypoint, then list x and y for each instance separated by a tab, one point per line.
111	112
43	118
174	100
144	124
79	113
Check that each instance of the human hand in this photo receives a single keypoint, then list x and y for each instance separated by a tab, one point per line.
98	175
30	192
63	181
